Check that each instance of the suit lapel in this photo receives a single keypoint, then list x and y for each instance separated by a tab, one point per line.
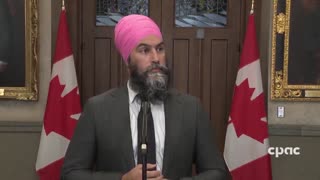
172	117
121	104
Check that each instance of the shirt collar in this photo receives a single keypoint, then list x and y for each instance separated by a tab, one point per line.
131	92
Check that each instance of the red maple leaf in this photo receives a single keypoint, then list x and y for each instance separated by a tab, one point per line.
246	114
59	110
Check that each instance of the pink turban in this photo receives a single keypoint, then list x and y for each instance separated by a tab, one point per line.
130	30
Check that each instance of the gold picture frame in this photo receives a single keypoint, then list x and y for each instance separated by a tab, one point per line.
27	62
295	51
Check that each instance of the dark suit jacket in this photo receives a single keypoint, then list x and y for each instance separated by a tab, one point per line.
101	147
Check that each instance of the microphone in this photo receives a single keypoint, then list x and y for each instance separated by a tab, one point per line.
144	139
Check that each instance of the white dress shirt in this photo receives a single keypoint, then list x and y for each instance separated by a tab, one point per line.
157	111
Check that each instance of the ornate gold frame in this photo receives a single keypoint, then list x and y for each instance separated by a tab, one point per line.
280	89
30	90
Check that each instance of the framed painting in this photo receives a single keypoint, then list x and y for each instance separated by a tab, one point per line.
295	71
19	32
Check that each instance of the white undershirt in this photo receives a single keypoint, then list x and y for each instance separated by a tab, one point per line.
157	111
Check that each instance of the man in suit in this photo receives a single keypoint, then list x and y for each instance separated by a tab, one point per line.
107	140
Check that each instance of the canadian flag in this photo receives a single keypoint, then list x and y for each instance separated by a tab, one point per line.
63	108
246	145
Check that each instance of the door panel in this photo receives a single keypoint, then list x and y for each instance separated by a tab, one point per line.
218	87
180	74
204	61
102	67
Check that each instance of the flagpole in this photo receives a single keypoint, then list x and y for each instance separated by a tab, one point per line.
63	7
252	7
62	109
238	157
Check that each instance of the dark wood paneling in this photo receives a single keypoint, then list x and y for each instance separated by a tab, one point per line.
115	64
206	76
102	65
180	70
87	65
167	13
74	21
218	88
195	58
155	12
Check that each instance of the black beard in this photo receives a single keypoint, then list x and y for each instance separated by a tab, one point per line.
151	86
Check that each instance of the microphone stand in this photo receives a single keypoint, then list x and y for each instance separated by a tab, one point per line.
144	139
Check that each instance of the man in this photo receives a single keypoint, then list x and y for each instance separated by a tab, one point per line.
108	135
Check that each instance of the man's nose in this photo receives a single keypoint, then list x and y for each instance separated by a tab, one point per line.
154	55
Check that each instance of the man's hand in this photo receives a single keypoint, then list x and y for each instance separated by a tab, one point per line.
136	173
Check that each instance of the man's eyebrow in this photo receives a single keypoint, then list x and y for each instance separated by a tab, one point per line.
143	44
160	44
147	45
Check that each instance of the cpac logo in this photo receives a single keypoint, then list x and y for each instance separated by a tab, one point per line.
278	151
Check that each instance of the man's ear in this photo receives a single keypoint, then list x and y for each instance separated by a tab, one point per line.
128	65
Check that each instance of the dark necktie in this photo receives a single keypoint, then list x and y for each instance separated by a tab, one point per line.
151	143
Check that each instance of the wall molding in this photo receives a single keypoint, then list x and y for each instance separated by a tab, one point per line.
274	129
20	127
294	130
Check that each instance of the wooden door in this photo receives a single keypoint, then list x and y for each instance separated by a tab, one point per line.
204	61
